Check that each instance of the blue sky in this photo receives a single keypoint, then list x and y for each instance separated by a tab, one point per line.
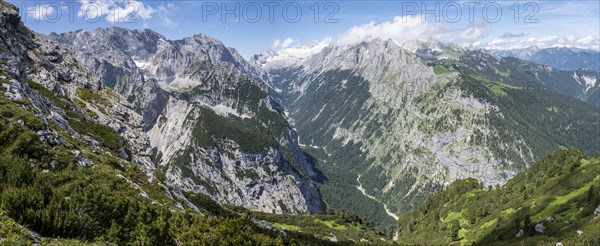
279	25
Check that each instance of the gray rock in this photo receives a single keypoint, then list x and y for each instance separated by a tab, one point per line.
35	237
80	160
520	234
540	228
164	80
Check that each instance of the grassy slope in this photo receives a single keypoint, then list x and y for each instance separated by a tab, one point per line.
557	185
345	226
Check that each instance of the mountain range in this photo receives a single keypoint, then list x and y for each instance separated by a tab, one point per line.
563	58
124	136
391	123
210	120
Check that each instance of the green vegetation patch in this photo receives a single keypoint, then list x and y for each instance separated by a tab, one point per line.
104	134
458	216
331	224
560	200
93	96
286	227
498	88
439	69
558	185
345	226
211	127
11	233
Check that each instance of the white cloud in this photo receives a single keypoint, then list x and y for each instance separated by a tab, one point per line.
411	28
116	11
474	33
583	42
287	42
400	29
278	44
512	35
163	11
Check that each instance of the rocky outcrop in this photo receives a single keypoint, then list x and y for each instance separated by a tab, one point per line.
35	59
111	56
175	85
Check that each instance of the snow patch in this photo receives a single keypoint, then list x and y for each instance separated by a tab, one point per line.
179	83
224	110
589	82
141	64
293	56
321	111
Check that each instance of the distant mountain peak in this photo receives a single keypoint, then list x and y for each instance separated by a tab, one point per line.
289	56
564	58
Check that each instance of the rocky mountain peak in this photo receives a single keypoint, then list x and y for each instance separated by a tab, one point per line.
135	43
206	47
305	55
523	53
193	94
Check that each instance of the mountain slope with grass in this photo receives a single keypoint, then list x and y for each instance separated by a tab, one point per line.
555	200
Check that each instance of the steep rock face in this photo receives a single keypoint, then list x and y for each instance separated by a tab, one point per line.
111	56
248	170
39	61
213	124
409	118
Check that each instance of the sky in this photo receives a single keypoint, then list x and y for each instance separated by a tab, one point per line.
251	27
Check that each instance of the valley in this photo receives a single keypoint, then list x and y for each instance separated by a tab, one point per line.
411	118
362	190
